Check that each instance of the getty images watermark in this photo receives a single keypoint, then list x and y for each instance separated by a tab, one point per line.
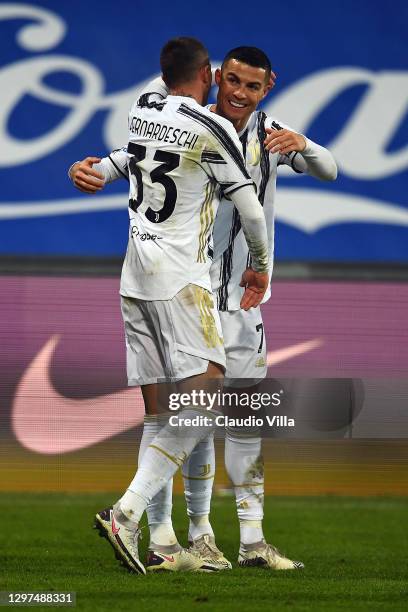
220	401
293	408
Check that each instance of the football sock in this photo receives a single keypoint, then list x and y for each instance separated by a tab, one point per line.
199	526
198	475
244	465
165	454
250	531
159	509
166	550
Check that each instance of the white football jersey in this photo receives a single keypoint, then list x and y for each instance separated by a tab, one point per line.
179	155
231	255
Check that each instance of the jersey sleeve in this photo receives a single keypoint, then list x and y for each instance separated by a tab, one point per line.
319	161
314	159
253	225
114	166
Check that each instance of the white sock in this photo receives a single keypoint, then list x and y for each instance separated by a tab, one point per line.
250	532
244	465
159	509
199	526
166	453
198	475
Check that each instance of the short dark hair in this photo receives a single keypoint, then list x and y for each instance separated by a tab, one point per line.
180	59
251	56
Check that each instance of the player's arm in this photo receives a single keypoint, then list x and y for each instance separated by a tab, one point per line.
300	153
92	173
255	279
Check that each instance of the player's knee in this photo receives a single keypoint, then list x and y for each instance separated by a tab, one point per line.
215	370
150	395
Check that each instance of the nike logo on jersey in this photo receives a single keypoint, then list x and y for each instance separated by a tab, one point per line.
64	425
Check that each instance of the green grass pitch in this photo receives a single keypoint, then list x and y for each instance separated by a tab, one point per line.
355	551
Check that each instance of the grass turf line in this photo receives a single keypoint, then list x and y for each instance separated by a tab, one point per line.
354	550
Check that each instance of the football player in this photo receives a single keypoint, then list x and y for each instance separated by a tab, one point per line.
178	153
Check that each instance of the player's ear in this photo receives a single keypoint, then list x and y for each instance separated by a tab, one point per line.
218	76
209	74
205	72
270	84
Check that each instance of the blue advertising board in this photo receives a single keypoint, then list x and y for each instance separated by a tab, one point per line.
69	72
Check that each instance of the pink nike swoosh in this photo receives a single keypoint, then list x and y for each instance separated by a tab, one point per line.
288	352
50	423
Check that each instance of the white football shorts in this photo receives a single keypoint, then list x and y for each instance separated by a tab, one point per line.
245	347
169	340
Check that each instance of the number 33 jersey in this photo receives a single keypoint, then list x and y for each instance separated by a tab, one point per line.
179	157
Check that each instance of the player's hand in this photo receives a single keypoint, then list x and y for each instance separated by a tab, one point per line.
284	141
255	283
85	178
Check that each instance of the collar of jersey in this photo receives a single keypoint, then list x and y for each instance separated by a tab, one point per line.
185	99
